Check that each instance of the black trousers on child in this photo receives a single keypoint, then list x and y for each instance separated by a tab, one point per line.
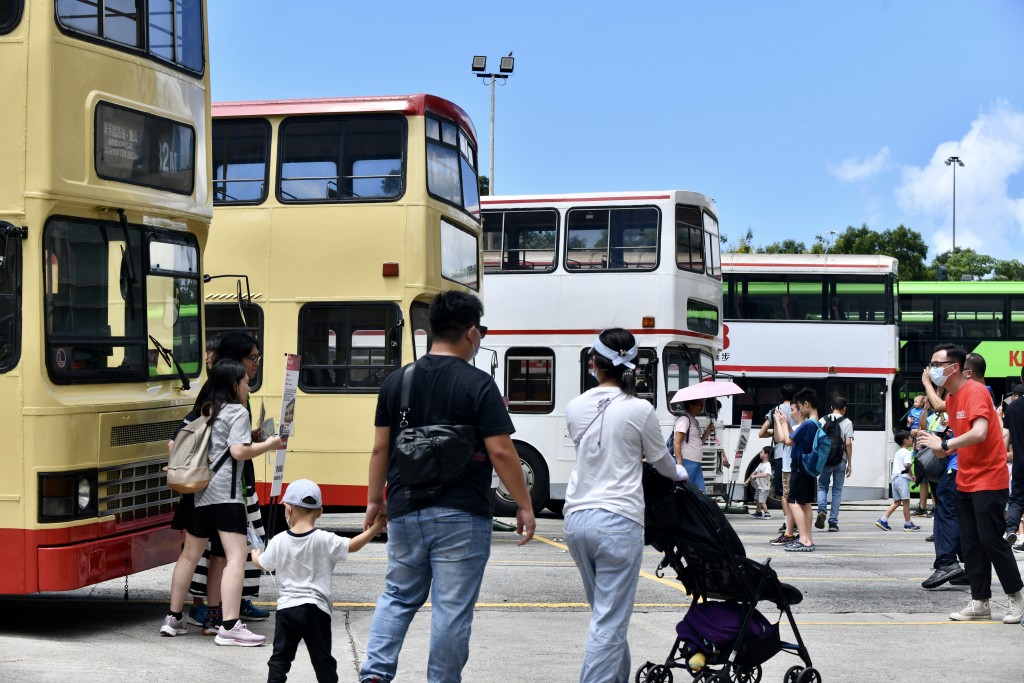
981	537
308	623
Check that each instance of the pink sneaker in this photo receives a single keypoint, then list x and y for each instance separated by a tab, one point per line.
173	627
239	635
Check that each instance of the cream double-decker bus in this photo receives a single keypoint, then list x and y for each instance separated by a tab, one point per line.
104	210
336	222
558	269
824	321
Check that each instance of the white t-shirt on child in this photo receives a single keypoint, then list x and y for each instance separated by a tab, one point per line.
304	564
762	483
902	461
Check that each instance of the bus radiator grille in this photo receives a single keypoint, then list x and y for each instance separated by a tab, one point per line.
136	491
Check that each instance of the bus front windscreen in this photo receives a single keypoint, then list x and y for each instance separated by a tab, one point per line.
103	302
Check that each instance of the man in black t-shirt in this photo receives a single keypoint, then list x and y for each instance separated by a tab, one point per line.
438	546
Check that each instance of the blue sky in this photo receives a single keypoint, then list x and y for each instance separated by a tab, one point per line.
797	117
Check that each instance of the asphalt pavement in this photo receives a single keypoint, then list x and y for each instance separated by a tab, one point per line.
864	617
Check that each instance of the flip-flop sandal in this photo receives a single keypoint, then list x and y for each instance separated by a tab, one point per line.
799	548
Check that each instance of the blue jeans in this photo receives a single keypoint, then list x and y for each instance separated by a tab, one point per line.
608	550
695	473
437	551
836	476
946	526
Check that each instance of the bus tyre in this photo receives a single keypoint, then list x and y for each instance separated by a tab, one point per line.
536	473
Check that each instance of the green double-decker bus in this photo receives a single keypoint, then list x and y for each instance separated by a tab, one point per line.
985	317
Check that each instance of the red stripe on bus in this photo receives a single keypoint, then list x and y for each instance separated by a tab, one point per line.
333	495
822	369
411	105
777	265
597	330
566	200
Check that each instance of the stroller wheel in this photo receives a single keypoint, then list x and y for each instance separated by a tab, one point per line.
743	674
656	674
792	674
809	675
642	672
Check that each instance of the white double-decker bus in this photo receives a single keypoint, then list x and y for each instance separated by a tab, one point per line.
561	268
824	321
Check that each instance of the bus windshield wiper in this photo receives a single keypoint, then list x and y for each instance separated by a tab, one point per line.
171	361
127	267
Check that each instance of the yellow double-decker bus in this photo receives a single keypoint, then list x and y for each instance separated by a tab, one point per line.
338	220
104	210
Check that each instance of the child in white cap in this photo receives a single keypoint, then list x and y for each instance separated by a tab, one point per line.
304	559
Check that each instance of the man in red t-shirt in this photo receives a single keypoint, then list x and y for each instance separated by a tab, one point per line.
982	484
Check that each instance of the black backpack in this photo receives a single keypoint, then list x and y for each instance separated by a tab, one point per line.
831	427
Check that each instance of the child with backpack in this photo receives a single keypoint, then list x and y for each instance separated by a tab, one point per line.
304	559
762	477
901	478
219	507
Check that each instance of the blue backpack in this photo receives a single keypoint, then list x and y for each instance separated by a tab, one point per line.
814	462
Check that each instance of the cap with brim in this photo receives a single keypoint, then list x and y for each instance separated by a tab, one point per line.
304	494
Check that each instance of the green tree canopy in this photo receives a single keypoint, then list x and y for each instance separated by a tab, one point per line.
787	246
903	244
960	262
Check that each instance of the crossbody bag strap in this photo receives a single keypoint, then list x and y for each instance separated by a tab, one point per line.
234	472
601	407
403	412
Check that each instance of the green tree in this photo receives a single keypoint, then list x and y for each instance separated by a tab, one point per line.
787	246
483	183
1009	270
744	245
960	262
901	243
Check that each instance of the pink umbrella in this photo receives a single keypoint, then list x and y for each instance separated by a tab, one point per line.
703	390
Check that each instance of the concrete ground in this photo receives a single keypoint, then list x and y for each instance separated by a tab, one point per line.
864	617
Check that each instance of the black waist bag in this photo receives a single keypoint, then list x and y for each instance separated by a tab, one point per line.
433	456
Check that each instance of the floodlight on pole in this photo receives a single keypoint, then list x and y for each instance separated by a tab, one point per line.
954	162
505	68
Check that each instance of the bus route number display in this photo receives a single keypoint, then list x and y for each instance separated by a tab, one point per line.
143	149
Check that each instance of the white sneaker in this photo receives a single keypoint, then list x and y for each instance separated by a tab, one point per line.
239	635
976	610
176	627
1015	612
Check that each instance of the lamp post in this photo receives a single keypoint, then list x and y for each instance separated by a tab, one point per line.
954	162
505	67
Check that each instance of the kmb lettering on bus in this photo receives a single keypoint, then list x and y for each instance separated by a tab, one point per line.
1017	359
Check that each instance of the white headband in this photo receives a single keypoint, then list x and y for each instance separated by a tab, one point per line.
616	357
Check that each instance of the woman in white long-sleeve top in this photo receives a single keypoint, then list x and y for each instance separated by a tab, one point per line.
614	431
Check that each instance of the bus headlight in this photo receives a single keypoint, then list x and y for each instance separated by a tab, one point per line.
84	494
67	495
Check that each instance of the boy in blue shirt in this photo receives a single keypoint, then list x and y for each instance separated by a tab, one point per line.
803	487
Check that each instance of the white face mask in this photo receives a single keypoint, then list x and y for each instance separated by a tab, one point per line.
593	373
937	376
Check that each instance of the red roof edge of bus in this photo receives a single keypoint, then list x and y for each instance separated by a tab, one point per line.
412	105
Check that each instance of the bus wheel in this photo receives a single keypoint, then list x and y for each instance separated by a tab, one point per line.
536	473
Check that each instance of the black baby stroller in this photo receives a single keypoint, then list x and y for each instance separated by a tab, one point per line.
723	638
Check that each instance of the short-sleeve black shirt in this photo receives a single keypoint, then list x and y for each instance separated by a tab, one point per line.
445	391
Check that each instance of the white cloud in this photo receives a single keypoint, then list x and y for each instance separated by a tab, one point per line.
988	219
855	169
